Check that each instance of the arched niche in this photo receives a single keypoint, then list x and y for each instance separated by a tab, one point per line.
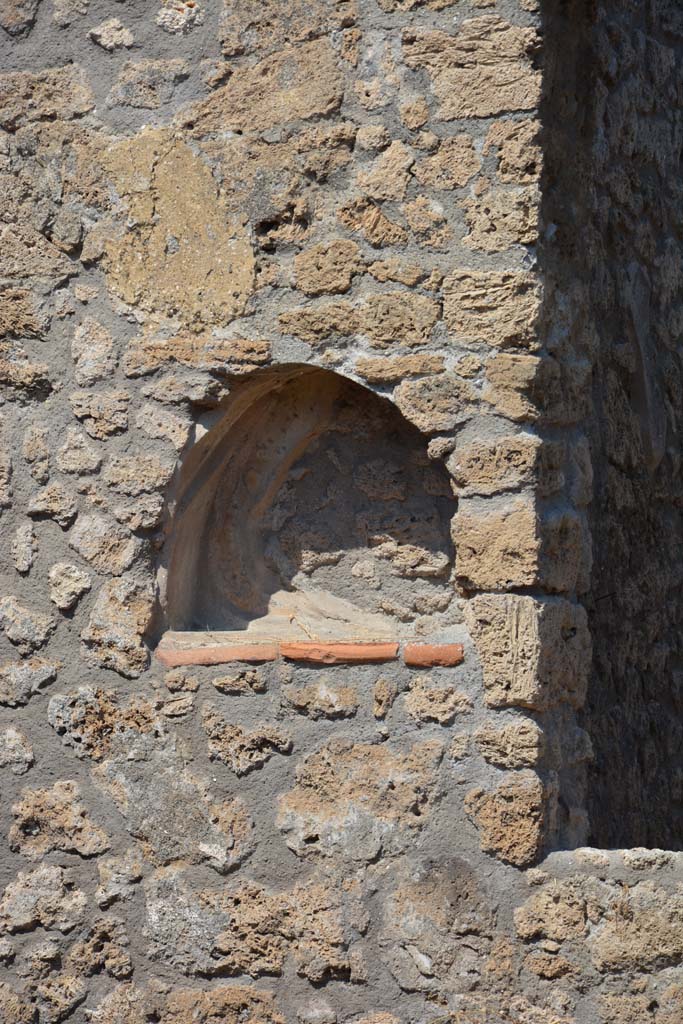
309	510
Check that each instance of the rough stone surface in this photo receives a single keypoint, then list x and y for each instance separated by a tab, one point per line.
321	328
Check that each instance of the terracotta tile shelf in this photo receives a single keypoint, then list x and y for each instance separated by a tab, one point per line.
173	652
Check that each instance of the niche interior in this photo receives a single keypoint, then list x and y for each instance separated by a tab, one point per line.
310	510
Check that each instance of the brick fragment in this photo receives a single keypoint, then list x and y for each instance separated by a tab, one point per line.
217	655
429	655
331	654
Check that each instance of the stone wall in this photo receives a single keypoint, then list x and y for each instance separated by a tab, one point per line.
274	306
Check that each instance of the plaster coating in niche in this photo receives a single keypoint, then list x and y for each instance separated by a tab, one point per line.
310	510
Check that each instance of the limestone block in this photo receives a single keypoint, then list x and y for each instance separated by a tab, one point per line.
519	153
497	545
510	818
499	308
342	800
108	548
436	403
388	176
534	653
20	680
327	267
111	35
102	413
452	166
491	467
518	745
241	749
117	624
427	702
77	455
299	82
394	370
16	752
481	71
515	385
54	501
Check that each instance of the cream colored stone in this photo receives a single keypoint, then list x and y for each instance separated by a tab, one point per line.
520	159
102	413
436	403
137	474
37	453
64	12
176	228
514	385
77	455
359	798
44	897
147	84
16	752
25	628
643	931
518	745
395	369
491	467
149	352
497	546
452	166
384	694
297	83
394	269
24	547
68	584
501	218
56	93
242	750
533	653
178	17
398	317
108	548
92	349
157	422
117	623
54	501
328	267
20	680
111	35
323	699
500	309
365	217
388	177
433	703
482	70
427	220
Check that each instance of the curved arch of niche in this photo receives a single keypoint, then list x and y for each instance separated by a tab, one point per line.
309	511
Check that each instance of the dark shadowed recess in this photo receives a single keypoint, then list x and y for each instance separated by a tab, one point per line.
613	198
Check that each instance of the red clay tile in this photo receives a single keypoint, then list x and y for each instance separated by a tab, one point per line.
338	654
432	655
217	655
